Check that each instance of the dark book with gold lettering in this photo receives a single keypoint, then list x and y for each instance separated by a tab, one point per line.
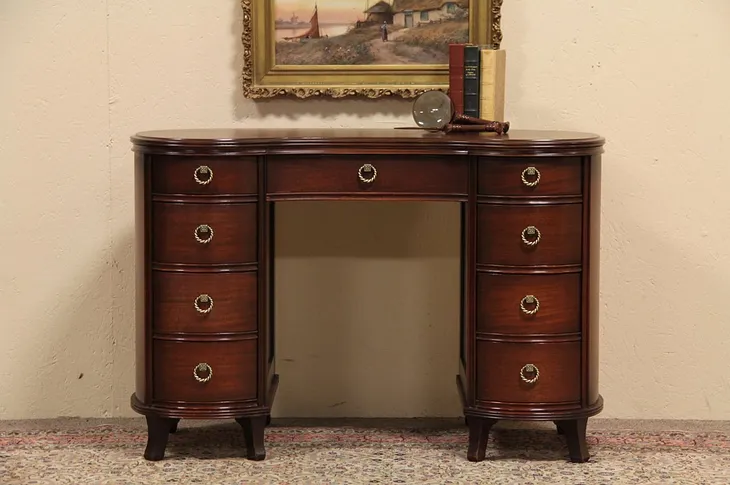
472	75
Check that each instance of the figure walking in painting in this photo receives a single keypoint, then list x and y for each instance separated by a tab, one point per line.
384	32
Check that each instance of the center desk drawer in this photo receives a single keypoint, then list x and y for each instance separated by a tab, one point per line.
190	233
360	174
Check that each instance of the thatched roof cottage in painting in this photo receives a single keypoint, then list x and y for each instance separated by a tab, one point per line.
412	12
379	13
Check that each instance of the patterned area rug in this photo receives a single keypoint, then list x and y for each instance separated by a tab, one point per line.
112	454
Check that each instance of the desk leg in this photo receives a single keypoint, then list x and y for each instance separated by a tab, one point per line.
158	431
478	437
575	434
253	433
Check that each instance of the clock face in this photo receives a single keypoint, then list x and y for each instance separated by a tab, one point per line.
433	110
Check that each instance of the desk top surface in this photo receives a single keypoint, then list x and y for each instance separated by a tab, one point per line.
338	136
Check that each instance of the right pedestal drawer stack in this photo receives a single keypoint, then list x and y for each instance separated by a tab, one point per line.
531	349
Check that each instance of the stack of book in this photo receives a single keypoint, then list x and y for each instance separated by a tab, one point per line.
476	80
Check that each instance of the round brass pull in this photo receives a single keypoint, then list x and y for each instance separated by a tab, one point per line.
202	367
203	299
204	234
528	300
531	231
531	172
532	369
203	170
367	169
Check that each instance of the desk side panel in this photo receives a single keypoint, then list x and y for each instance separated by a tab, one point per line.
267	378
592	276
470	230
143	303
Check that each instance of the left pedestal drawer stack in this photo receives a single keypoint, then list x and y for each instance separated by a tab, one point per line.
200	258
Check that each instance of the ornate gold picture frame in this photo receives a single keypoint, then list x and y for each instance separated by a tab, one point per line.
377	54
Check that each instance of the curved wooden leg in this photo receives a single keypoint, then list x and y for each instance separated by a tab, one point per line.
575	435
559	429
173	425
268	420
478	437
253	434
158	430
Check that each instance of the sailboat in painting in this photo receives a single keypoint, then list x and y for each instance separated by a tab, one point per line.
313	32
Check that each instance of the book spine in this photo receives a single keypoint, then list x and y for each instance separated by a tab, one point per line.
472	75
492	88
456	76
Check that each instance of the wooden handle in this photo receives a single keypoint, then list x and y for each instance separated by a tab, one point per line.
491	126
462	119
467	123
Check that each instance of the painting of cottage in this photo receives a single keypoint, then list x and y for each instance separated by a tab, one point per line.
353	32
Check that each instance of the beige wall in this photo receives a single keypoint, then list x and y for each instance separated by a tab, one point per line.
80	76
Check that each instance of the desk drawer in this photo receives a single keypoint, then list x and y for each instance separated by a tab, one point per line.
204	302
530	176
502	365
362	174
233	366
226	233
204	175
552	234
528	304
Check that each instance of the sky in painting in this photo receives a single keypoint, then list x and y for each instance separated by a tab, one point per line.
333	11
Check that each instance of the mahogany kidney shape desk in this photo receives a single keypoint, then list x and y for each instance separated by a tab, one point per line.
205	205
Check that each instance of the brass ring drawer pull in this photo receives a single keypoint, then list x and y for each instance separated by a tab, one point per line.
203	170
367	169
531	231
204	229
531	368
531	172
527	300
203	299
202	367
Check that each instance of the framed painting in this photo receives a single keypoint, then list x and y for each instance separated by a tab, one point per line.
369	48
